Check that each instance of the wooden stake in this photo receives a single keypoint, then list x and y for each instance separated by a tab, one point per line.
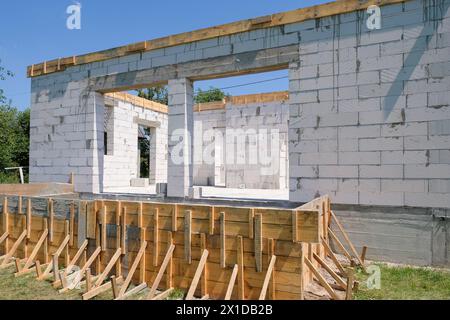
103	229
143	262
269	274
66	247
188	236
223	263
350	279
174	218
38	269
302	272
6	223
72	223
115	289
232	282
156	237
169	271
271	251
19	205
124	231
55	267
240	261
258	242
198	273
363	254
211	220
88	279
29	219
204	278
162	269
141	215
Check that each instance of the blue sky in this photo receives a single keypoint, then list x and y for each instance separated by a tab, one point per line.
34	31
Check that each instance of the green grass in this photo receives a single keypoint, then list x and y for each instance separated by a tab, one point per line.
28	288
406	283
176	294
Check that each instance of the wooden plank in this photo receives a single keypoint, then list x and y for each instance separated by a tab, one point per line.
4	237
77	256
164	295
169	269
251	222
55	267
29	218
19	205
278	19
302	272
294	226
258	242
332	256
271	252
37	265
346	237
108	267
324	265
223	262
103	228
89	278
91	220
72	223
96	290
321	280
139	257
198	274
211	220
51	220
140	216
5	222
123	233
240	262
66	249
162	269
155	238
232	282
174	218
36	249
204	277
114	287
269	274
13	249
188	236
133	291
363	254
340	245
57	254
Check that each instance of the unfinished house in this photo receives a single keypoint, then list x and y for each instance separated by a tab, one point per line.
362	137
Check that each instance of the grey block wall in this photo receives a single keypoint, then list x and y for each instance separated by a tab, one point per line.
369	108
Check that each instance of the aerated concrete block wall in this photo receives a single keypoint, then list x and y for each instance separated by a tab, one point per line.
121	162
369	110
370	116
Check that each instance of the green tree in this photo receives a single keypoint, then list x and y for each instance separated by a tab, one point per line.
213	94
14	135
158	94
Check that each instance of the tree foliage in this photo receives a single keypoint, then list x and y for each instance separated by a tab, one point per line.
14	134
158	94
213	94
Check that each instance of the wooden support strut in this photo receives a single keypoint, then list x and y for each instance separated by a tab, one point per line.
258	242
232	282
321	279
267	278
333	257
198	274
51	220
12	251
108	268
156	237
223	263
5	223
188	236
36	249
324	265
139	257
240	262
57	254
162	269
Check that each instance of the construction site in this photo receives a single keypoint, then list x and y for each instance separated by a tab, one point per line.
279	195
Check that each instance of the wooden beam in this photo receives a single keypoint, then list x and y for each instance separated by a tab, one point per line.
321	280
174	218
197	275
13	249
211	220
278	19
232	282
258	242
347	238
5	223
251	222
271	253
155	238
269	274
85	269
324	265
4	237
163	295
19	205
91	220
141	215
51	220
240	262
114	287
294	226
29	219
223	263
133	291
161	271
89	279
76	257
55	266
169	269
72	223
363	254
108	268
332	256
96	290
132	270
57	254
36	250
302	272
188	236
204	277
103	235
37	265
340	245
123	232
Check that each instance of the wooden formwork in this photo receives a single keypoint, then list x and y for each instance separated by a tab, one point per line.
217	252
